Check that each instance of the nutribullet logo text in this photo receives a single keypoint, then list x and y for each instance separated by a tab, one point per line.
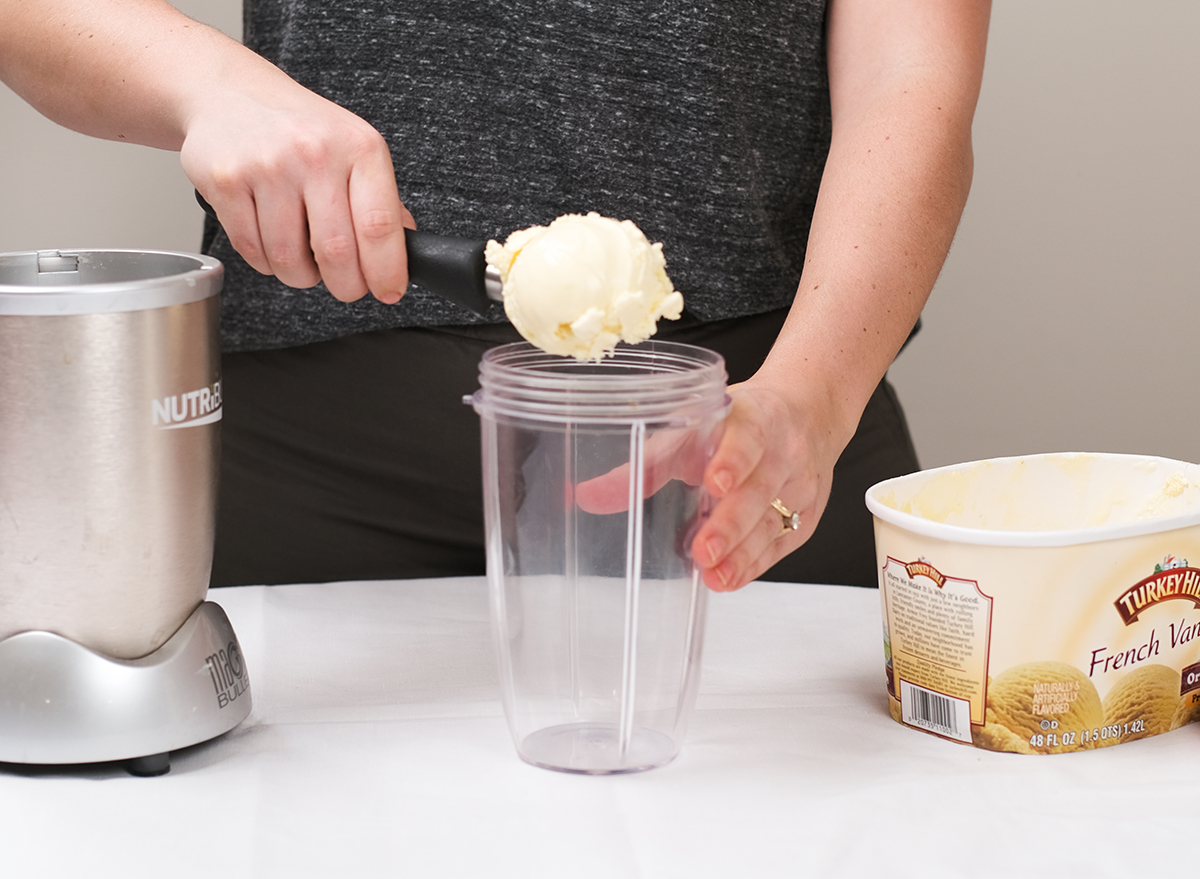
228	674
202	406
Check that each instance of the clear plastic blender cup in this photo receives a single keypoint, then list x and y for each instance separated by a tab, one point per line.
593	491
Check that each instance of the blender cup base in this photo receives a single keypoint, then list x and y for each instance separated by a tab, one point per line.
595	749
61	703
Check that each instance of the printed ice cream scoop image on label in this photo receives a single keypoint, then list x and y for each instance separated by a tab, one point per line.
1143	702
1187	710
1039	707
582	284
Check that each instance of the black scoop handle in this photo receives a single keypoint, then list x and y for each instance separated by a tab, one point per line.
453	268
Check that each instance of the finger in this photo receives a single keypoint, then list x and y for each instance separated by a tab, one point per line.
283	226
238	215
332	239
735	517
608	493
742	446
766	543
753	478
670	454
380	219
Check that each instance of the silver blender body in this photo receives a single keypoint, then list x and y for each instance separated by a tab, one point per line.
110	407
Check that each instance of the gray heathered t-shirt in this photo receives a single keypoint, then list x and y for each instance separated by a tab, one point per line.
707	123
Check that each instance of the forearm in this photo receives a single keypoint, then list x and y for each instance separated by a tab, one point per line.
126	70
895	183
304	189
891	198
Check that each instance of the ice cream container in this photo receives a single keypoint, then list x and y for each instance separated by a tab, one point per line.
1042	604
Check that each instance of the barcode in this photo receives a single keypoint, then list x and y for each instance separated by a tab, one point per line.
935	712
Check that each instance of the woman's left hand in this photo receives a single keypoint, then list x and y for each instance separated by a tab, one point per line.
768	451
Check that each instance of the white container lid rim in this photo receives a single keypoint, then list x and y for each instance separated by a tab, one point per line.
1018	538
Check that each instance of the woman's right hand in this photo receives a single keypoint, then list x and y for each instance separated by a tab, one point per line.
304	189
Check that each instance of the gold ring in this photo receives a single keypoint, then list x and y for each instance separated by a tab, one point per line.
788	521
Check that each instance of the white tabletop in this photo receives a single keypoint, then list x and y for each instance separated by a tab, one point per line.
377	747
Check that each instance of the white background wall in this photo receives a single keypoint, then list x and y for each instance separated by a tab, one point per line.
1067	315
59	189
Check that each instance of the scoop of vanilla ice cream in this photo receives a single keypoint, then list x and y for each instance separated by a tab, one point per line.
582	284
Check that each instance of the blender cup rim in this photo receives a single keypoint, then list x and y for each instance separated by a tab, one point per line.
670	382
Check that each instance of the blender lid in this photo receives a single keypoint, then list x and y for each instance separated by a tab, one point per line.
49	282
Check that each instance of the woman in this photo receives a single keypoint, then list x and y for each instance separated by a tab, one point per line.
804	164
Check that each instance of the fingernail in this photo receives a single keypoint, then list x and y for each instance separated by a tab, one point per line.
723	574
715	548
723	480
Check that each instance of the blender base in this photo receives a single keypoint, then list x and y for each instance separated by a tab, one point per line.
62	703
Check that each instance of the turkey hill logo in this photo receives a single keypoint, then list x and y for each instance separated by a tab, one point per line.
922	568
1172	579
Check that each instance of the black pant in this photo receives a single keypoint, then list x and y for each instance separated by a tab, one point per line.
357	459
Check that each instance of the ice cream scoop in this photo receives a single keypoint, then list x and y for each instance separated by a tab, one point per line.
583	283
453	268
575	287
